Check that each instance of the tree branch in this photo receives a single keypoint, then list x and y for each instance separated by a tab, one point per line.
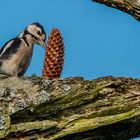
73	108
131	7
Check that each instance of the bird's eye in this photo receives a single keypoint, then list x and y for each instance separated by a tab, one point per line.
38	32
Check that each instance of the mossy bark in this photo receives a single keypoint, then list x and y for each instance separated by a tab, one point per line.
131	7
73	108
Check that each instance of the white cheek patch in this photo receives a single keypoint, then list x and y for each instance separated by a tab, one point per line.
31	29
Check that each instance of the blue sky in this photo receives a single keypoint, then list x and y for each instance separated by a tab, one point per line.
99	41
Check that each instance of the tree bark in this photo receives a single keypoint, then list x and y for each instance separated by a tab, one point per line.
73	108
131	7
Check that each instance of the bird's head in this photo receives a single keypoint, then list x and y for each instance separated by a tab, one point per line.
37	32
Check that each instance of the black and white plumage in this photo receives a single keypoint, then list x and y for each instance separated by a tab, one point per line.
16	54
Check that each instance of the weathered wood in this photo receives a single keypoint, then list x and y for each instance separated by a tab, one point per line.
131	7
73	108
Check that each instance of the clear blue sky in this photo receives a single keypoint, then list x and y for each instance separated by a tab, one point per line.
99	41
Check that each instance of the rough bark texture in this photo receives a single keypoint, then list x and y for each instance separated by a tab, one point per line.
69	109
131	7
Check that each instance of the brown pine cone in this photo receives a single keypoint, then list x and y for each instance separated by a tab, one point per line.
54	56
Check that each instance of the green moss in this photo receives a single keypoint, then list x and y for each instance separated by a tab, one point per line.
80	96
2	134
90	124
38	125
29	126
6	130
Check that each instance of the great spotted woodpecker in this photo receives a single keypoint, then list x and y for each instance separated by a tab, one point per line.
16	54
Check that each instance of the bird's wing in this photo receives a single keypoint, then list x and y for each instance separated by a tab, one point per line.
9	48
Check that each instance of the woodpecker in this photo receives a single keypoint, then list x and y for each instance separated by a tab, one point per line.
16	54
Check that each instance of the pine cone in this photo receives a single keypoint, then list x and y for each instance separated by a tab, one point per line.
54	56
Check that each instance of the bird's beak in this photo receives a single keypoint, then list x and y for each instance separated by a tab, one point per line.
42	43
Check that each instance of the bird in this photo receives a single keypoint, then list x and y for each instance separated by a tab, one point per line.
16	54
